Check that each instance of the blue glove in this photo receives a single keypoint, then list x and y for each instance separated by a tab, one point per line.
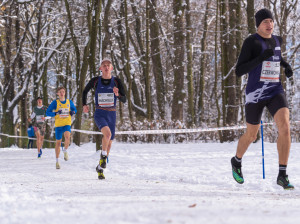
72	112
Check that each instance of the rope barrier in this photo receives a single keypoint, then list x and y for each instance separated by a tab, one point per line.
172	131
144	132
16	136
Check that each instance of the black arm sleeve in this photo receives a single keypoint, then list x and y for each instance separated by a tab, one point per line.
87	88
251	56
248	59
122	94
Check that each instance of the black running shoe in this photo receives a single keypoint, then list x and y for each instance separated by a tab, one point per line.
102	161
100	173
237	171
284	182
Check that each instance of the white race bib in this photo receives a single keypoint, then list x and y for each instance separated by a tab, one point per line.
106	99
39	118
64	113
270	71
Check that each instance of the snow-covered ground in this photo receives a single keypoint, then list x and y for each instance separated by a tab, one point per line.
147	183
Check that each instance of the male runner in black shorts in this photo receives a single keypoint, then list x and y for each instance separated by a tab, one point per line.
261	58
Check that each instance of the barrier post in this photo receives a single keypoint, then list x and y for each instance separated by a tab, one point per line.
262	148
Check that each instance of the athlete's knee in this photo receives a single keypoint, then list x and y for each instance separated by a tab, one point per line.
284	130
251	137
107	135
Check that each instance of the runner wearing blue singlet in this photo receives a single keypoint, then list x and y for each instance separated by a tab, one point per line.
261	58
107	90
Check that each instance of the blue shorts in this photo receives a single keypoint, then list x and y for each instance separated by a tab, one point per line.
60	130
106	118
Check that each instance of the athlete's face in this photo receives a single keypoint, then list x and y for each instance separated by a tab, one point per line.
106	67
265	28
40	102
61	93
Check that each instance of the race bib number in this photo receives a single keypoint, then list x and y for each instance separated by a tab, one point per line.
39	118
64	113
106	99
270	71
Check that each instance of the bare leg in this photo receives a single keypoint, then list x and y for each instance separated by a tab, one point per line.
109	146
284	138
246	139
41	141
67	135
106	138
38	140
57	148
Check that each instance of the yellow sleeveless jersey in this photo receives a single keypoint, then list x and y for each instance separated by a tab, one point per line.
64	118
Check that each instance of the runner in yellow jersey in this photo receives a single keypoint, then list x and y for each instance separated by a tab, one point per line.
62	109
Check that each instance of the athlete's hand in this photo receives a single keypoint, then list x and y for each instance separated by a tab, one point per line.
71	113
288	71
267	54
116	91
85	109
58	112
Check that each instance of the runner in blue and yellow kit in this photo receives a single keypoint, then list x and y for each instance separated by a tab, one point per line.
62	109
261	58
107	90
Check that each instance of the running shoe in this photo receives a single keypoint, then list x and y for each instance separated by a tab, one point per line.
102	161
57	165
101	175
237	171
100	172
66	156
284	182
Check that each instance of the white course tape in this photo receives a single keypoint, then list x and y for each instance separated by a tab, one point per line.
168	131
172	131
15	136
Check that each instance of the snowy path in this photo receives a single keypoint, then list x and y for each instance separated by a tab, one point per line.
145	183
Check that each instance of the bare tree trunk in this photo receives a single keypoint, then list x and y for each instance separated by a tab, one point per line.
250	16
82	67
189	56
224	57
23	103
216	70
7	119
203	65
37	44
147	65
157	67
178	95
230	82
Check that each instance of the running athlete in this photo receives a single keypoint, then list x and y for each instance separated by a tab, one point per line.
62	109
107	90
261	58
38	115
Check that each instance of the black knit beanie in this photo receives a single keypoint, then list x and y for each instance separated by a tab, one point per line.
261	15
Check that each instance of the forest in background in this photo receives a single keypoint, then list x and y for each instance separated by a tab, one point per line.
176	59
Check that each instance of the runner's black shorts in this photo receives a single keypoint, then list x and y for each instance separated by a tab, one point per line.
254	110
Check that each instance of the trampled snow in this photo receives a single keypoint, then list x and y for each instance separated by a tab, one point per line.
147	183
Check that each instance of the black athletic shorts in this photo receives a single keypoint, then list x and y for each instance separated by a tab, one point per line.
254	110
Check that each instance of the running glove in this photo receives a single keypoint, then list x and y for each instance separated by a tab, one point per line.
288	71
267	54
58	112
